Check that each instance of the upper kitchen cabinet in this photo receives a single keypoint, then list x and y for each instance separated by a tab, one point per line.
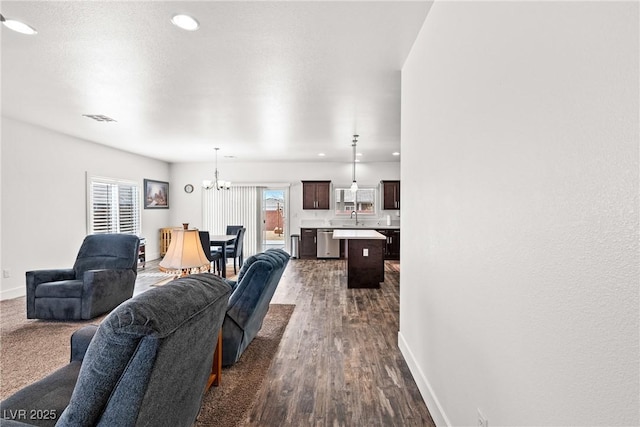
390	195
315	194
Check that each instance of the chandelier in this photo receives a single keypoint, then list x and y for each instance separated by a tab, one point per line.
354	184
217	183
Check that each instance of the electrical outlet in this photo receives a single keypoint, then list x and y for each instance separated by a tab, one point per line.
6	273
365	252
482	420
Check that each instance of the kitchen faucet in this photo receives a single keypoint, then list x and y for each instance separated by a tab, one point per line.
351	216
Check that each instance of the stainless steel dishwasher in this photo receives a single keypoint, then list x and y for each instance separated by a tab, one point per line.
328	247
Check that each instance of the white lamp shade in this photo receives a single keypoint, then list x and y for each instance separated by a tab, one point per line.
185	251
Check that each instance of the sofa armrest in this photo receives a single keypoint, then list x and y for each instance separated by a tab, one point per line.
102	290
44	276
36	277
80	341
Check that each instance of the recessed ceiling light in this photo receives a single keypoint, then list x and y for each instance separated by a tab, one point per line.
185	22
18	26
395	153
321	154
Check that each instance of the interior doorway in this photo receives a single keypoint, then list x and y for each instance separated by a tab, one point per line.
274	217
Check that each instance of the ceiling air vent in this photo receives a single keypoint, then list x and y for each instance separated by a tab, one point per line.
99	118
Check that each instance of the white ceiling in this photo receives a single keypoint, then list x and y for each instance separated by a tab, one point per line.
272	81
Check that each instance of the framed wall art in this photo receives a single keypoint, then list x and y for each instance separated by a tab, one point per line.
156	194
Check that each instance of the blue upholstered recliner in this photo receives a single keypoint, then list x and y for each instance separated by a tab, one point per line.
102	277
249	302
147	364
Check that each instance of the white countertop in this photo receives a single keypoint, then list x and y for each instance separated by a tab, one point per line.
357	234
351	227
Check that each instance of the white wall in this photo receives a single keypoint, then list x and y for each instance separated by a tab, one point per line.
44	198
43	194
189	206
519	287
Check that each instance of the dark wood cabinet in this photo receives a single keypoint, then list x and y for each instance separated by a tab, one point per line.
392	244
390	194
308	242
393	247
365	271
316	194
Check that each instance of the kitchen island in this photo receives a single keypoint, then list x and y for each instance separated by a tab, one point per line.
365	257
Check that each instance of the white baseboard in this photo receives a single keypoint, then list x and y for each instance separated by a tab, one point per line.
429	397
13	293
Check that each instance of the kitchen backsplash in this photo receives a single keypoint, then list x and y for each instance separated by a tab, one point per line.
394	221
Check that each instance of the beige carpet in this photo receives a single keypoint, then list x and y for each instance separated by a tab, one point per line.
228	404
31	349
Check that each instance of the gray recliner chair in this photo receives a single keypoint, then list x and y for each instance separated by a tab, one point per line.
102	277
147	364
249	302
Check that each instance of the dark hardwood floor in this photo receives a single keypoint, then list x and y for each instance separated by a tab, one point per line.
339	362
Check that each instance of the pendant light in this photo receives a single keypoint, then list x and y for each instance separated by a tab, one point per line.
354	184
217	183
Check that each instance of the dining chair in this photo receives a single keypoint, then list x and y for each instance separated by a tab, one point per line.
233	229
214	256
235	250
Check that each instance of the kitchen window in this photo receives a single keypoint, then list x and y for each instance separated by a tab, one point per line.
362	201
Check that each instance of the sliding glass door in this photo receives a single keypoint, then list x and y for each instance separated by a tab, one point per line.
274	217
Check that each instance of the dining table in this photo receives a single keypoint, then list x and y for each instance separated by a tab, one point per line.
222	240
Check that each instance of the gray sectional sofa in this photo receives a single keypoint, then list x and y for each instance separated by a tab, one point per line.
147	364
249	302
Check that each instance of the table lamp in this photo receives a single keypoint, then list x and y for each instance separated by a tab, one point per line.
184	255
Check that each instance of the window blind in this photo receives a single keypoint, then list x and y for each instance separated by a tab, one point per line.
237	206
113	206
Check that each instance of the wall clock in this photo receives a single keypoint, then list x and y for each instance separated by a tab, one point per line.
188	188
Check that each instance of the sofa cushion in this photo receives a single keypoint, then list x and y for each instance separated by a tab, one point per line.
106	251
148	357
61	289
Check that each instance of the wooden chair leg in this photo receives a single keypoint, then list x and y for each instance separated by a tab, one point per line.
216	368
